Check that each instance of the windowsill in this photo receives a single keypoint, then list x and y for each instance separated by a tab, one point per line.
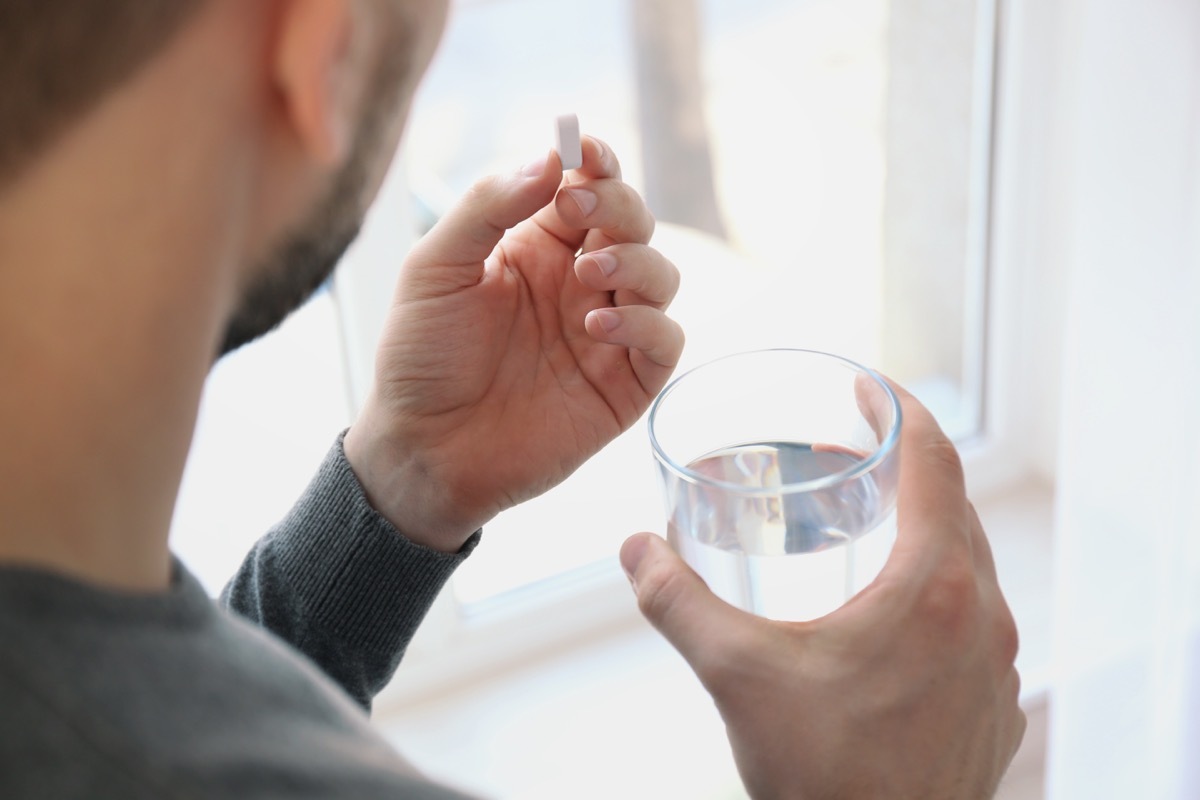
621	715
1020	524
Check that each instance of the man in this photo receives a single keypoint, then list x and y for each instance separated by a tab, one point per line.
175	177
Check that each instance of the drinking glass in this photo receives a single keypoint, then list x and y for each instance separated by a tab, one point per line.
779	472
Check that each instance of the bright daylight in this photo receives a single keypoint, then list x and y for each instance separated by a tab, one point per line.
819	423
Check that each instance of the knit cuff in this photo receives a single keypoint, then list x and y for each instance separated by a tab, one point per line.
361	575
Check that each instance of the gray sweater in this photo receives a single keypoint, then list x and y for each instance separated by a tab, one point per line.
110	695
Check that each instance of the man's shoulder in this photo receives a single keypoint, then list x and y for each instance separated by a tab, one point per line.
221	709
48	751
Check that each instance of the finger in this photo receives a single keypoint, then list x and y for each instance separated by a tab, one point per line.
655	340
1018	721
609	206
452	254
639	272
600	166
677	602
878	407
931	506
599	160
931	473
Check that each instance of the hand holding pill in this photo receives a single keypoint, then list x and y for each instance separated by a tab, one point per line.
527	331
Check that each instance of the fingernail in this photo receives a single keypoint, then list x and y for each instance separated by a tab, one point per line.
534	168
607	262
586	200
608	319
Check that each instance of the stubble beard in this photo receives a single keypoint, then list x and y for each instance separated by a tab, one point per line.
305	258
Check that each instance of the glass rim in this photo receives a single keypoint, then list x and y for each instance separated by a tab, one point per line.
886	447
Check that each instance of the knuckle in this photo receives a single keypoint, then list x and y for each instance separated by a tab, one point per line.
1015	697
941	453
673	279
651	224
1008	638
642	223
658	590
1017	729
479	202
661	281
949	602
483	189
678	342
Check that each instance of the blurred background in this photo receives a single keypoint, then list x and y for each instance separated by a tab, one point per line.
953	191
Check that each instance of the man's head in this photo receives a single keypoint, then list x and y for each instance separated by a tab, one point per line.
175	175
338	78
305	255
57	59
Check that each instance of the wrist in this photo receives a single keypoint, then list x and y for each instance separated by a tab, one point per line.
401	486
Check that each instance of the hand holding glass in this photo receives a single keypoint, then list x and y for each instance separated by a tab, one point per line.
779	471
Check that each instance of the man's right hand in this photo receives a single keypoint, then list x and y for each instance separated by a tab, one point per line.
907	691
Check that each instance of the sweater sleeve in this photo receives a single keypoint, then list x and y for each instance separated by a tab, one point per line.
340	583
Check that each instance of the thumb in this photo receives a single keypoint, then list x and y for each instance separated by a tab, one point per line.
676	600
451	256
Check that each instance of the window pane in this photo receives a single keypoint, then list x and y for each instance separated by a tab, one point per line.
818	169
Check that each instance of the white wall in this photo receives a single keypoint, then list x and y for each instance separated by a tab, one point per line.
1127	570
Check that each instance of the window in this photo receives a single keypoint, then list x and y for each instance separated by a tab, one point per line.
820	170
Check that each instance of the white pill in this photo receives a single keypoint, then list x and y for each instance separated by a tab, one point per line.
570	150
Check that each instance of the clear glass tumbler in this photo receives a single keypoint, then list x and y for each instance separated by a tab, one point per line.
779	472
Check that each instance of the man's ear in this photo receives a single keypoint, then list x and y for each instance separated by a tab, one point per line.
318	75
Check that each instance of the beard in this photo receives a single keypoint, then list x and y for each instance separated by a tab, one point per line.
297	268
305	258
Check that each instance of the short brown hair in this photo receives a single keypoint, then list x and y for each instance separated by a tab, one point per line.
59	57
